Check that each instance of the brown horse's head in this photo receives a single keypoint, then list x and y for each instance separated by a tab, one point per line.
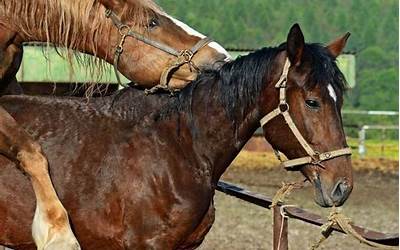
145	18
314	94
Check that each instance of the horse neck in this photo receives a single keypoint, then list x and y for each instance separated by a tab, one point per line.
76	25
220	136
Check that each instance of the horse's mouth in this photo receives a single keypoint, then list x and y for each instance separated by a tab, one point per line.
330	195
320	196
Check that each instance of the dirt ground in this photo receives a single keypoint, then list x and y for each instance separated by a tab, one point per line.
374	204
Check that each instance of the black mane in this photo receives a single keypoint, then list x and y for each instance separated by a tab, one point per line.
240	81
237	83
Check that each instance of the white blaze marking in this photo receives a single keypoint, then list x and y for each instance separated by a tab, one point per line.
332	92
190	31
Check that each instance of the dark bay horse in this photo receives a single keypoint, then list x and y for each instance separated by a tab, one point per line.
139	172
84	25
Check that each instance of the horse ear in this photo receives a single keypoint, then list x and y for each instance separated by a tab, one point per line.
336	47
295	45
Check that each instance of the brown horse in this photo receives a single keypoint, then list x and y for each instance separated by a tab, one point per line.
139	172
84	26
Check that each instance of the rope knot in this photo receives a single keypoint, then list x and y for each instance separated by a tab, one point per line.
285	190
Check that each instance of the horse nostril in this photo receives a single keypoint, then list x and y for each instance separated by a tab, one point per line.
339	192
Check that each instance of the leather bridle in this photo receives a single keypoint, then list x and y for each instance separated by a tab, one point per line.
314	157
183	56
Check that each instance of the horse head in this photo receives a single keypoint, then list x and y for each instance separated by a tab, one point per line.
304	120
172	49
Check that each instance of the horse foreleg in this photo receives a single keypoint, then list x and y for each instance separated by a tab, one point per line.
50	227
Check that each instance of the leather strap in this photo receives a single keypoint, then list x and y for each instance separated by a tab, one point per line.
314	157
322	157
183	57
127	31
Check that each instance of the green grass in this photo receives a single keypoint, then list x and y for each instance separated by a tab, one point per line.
41	65
376	149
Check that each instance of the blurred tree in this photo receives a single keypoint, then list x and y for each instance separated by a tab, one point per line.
260	23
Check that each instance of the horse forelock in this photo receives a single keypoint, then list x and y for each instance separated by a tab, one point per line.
324	70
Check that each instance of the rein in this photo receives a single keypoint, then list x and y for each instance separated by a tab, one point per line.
183	57
314	157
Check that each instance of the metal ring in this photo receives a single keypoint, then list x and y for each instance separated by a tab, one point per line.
187	55
283	107
122	28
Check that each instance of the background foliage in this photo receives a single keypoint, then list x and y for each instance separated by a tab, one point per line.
259	23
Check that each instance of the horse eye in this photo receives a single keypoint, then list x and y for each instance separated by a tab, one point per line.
313	104
153	23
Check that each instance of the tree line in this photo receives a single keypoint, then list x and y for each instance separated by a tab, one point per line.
260	23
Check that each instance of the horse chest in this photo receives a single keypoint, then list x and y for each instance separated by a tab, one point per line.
168	221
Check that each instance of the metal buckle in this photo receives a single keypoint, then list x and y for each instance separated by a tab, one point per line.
119	49
327	155
187	55
317	160
108	13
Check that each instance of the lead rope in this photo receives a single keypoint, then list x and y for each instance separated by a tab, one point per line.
339	219
335	218
279	197
284	191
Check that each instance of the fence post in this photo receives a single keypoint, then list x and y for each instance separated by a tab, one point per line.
383	138
280	230
361	142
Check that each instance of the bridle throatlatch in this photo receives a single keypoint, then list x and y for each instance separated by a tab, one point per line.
314	157
183	57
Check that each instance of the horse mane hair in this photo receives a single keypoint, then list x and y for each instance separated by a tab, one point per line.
71	24
240	81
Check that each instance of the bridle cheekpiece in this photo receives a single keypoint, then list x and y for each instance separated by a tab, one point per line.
314	157
183	56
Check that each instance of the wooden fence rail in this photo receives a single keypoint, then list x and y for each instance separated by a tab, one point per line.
299	214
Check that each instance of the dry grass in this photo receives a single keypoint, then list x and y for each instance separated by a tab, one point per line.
267	160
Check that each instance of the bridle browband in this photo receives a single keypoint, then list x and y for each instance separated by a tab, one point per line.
314	157
183	56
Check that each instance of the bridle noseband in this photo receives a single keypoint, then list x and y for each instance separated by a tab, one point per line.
183	57
314	157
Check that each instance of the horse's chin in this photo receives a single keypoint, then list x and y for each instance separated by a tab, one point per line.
321	199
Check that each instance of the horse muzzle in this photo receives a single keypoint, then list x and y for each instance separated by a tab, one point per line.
328	195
